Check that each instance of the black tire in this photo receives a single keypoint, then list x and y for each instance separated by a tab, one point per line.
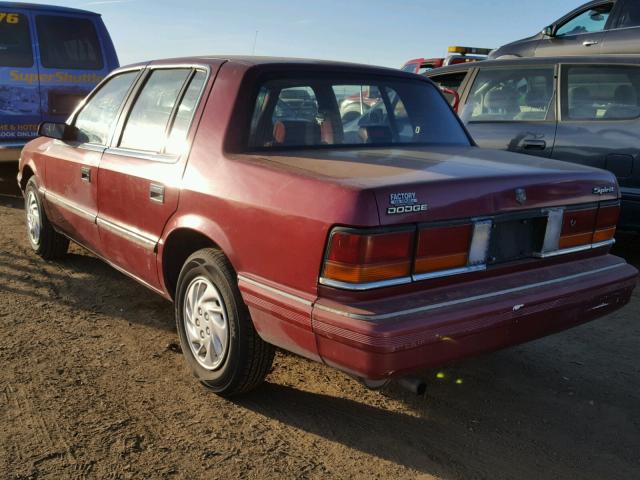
248	358
49	244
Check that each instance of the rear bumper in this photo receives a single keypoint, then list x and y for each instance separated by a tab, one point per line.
10	152
391	337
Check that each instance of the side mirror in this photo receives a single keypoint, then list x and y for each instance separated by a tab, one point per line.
59	131
549	31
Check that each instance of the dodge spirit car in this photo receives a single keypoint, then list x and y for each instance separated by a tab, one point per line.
379	247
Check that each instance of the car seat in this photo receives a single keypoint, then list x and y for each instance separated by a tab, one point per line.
625	103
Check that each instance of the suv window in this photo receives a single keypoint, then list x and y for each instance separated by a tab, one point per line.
342	111
503	94
630	15
589	21
96	119
147	123
601	92
68	42
15	41
451	81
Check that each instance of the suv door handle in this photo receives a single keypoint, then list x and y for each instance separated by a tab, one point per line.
85	174
534	144
589	43
156	193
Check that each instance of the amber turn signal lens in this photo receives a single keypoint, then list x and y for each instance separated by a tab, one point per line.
357	258
443	248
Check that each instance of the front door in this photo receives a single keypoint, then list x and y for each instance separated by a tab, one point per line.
581	34
71	168
624	35
510	108
139	177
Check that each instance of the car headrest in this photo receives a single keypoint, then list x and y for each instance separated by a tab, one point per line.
625	95
502	99
376	134
296	132
536	99
580	96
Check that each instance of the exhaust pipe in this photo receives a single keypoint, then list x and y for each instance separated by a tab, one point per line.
414	385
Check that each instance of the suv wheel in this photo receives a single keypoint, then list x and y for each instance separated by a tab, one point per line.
44	240
216	332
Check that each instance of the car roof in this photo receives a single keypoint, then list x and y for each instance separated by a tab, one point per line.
282	62
45	8
534	61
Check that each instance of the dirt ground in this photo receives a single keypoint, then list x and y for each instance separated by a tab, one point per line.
92	385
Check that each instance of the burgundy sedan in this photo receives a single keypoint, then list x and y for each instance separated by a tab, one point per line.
379	245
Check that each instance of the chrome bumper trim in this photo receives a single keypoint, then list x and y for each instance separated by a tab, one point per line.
365	286
452	303
581	248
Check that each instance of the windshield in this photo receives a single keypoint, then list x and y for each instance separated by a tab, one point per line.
328	112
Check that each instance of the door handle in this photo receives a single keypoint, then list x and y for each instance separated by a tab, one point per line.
85	174
589	43
534	144
156	193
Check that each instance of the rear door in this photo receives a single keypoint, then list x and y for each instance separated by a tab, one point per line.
139	176
600	121
581	34
624	36
512	108
19	89
72	61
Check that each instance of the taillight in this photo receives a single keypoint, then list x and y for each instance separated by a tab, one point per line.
443	248
367	258
607	220
577	228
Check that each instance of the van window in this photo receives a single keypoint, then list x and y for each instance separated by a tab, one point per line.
96	120
509	94
184	115
603	92
15	41
147	123
68	42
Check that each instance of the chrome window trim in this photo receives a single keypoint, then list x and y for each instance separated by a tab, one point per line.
365	286
127	233
144	155
452	303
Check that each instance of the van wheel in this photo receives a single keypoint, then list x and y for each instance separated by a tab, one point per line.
217	335
44	240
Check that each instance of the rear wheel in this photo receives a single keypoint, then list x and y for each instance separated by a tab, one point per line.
44	240
216	332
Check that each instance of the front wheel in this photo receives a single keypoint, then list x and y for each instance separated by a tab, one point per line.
217	335
43	238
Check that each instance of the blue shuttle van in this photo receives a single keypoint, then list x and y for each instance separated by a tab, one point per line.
50	59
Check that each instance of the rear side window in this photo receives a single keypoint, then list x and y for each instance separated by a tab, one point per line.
511	95
602	92
68	42
96	120
146	126
15	41
630	15
177	138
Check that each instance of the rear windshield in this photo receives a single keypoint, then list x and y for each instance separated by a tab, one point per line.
346	112
15	41
68	42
